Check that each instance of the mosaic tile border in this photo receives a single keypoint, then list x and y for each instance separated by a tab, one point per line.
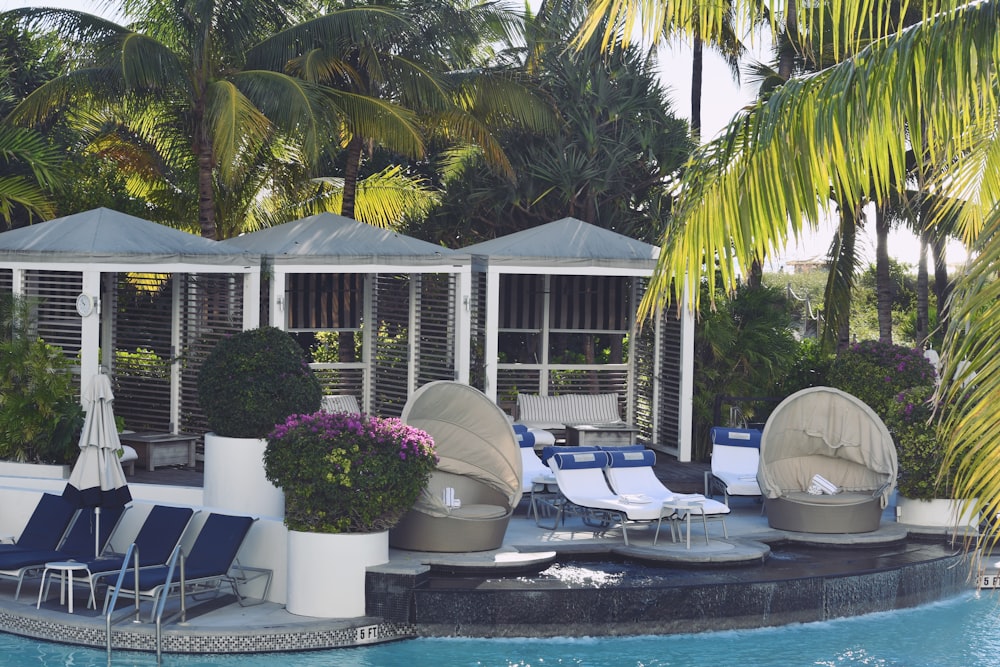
143	637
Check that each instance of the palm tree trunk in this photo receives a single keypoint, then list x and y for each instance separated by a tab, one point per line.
697	74
786	60
206	191
923	311
351	171
883	281
942	286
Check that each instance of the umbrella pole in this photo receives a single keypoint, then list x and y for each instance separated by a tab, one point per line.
97	532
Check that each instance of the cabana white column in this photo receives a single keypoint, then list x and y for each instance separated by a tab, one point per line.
90	329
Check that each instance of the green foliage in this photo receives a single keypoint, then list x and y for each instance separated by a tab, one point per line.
877	372
919	448
254	380
40	418
141	363
809	368
347	473
741	349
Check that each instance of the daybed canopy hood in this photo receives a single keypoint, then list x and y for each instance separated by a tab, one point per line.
472	436
471	496
827	422
826	432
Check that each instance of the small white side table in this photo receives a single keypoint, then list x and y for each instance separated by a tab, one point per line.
689	506
65	570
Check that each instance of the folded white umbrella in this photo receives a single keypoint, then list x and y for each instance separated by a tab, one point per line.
97	479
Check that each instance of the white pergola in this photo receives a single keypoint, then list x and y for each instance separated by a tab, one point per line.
61	264
394	271
571	247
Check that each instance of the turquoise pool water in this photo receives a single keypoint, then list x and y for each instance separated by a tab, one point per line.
959	632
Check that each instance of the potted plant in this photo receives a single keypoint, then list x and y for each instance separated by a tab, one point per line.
247	384
347	479
926	489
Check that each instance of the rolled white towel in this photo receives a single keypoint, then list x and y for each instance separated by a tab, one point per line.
824	485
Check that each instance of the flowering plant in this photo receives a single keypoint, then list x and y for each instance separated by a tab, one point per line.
347	473
921	454
877	372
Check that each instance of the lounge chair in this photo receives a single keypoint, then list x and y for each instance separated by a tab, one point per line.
160	533
532	467
205	567
735	457
582	484
78	544
631	474
46	526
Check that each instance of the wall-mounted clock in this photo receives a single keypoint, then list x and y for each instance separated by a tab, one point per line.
84	305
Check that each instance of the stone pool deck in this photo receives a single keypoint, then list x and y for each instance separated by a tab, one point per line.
592	585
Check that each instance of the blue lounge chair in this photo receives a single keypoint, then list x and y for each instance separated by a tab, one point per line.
46	526
79	544
207	565
160	533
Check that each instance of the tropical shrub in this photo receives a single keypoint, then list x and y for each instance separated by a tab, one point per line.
919	449
40	416
347	473
253	380
878	372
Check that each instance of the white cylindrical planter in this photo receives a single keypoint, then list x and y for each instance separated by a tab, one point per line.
326	572
937	513
234	477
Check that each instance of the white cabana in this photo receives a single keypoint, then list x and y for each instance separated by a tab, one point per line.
566	287
137	292
398	305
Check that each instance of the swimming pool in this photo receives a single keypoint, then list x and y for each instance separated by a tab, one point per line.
963	631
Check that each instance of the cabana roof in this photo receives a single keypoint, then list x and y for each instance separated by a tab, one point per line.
565	243
334	239
104	236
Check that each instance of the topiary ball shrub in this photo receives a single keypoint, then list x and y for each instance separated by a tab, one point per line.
254	380
878	372
347	473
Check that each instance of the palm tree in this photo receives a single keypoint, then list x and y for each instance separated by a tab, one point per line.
420	64
847	129
30	171
177	78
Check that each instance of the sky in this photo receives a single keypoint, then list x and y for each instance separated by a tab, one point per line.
721	99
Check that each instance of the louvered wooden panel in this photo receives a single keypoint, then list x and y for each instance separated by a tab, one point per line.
590	303
211	308
54	295
391	357
514	380
6	281
141	365
669	378
436	337
642	348
606	380
477	346
521	301
324	300
338	379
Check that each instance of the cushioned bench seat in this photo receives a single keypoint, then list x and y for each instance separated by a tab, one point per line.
553	413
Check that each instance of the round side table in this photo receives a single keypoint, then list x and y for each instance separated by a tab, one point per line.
64	570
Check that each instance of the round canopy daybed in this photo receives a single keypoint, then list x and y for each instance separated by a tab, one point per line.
479	466
825	432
